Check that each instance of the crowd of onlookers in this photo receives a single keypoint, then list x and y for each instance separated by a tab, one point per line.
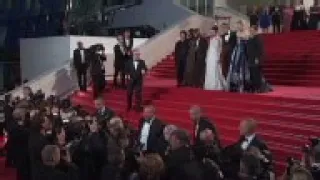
303	18
50	139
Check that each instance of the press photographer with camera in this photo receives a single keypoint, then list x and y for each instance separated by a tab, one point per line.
309	165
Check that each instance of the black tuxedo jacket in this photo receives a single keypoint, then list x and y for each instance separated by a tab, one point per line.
204	123
105	115
201	49
129	45
119	57
255	50
232	42
155	133
96	65
135	74
77	59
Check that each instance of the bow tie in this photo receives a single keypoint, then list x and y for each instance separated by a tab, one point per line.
147	121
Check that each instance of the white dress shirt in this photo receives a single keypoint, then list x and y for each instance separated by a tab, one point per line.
127	42
227	36
145	134
82	56
248	139
135	64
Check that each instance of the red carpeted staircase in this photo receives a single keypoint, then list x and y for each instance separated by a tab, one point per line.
293	58
287	117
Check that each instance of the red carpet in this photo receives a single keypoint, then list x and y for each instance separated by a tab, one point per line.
287	116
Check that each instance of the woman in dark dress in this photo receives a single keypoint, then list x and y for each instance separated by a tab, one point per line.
255	53
265	20
190	60
181	53
314	19
299	18
238	79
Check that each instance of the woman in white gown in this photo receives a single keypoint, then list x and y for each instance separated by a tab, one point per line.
214	79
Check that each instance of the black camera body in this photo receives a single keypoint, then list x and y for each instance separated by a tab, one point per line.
307	148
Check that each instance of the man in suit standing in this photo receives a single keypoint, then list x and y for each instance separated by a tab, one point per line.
80	62
150	130
135	68
201	123
97	69
201	47
119	61
103	114
229	41
255	53
128	43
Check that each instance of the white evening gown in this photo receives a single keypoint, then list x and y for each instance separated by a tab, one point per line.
214	79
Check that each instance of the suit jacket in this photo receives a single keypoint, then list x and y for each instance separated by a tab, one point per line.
255	50
51	173
77	59
96	65
119	57
201	49
136	74
204	123
232	40
105	116
155	133
180	164
130	45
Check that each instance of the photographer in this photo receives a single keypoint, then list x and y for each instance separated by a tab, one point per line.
311	157
97	69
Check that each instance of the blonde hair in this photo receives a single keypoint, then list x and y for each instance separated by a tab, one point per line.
245	33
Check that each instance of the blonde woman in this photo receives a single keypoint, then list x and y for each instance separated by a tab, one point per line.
238	78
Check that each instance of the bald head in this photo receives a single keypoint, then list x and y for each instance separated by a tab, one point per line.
195	113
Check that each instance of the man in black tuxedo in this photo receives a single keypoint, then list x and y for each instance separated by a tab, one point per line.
128	43
103	113
201	123
150	130
135	68
181	162
248	141
255	53
201	47
229	41
80	62
119	61
97	69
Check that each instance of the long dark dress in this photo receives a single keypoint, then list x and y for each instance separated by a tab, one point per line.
239	76
200	62
181	53
255	54
314	19
189	69
299	20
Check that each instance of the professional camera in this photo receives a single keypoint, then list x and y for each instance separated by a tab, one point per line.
291	163
314	141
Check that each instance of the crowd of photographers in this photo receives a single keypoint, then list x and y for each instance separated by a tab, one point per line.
49	139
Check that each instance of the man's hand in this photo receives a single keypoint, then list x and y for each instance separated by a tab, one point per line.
143	72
